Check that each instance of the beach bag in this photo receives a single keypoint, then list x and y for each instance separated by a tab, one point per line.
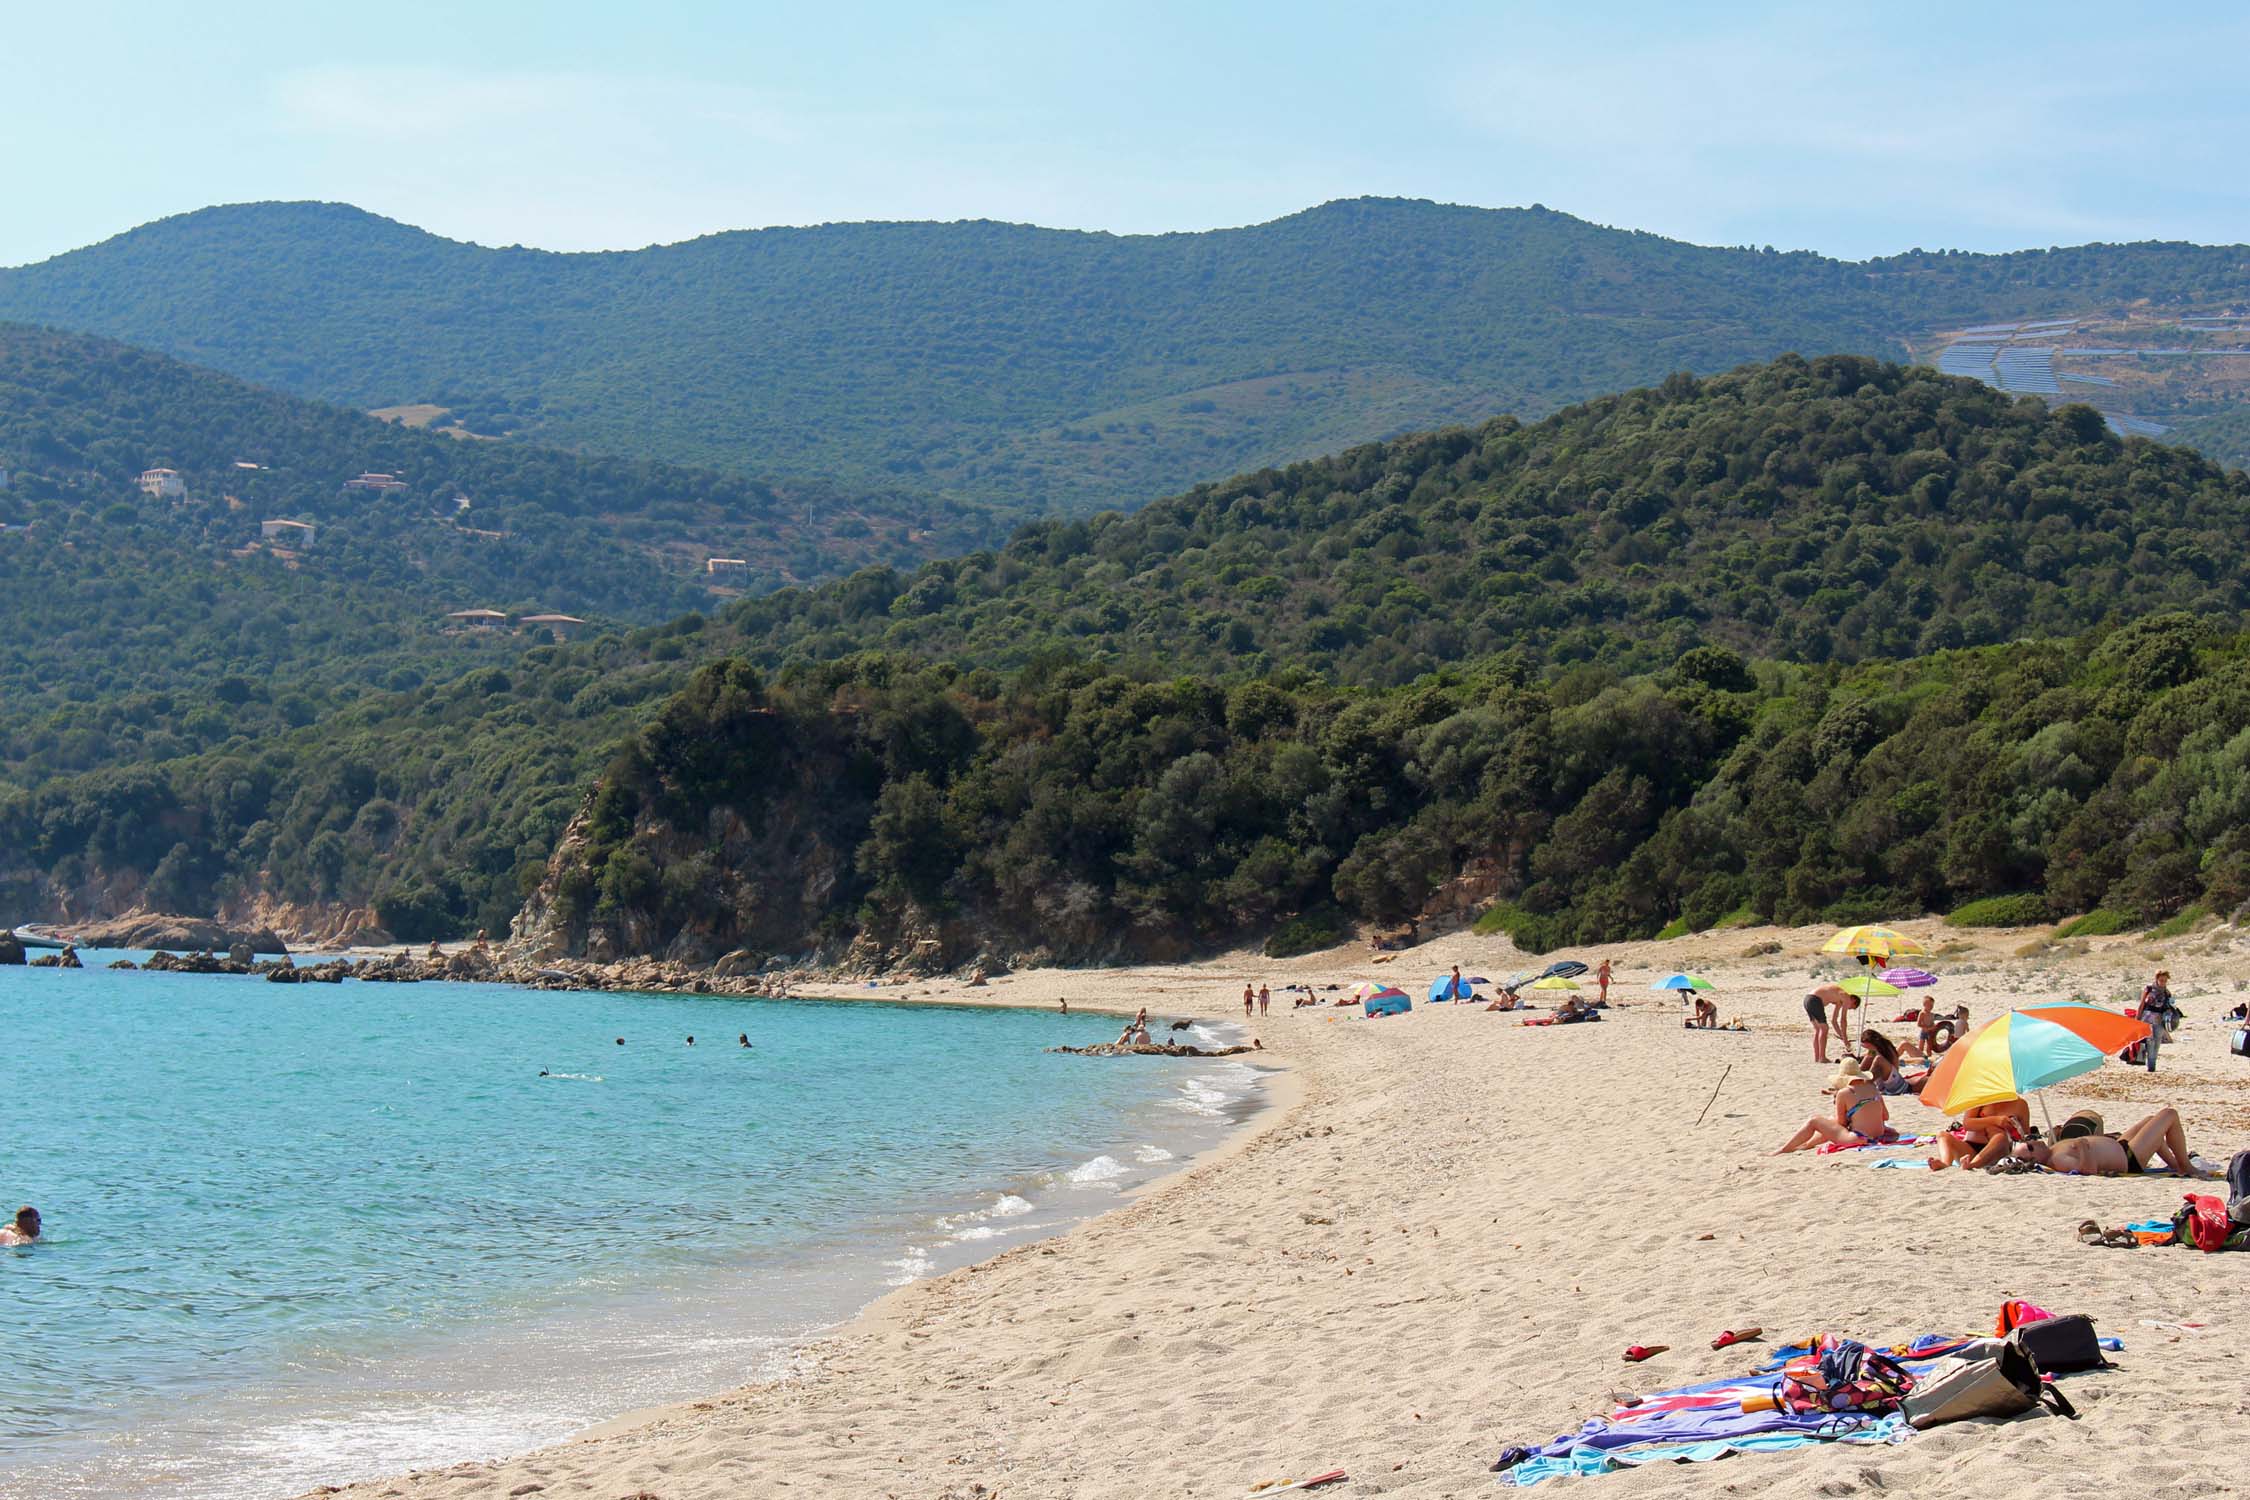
2207	1222
2015	1312
2004	1384
2241	1044
1842	1375
2238	1188
2060	1345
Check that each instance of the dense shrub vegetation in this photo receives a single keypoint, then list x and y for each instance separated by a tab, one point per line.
1837	508
1025	367
1092	815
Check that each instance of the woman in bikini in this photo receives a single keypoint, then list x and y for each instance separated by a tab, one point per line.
1881	1060
1858	1118
1985	1134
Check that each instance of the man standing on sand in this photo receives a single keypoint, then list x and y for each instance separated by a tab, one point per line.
1816	1011
1249	998
1601	977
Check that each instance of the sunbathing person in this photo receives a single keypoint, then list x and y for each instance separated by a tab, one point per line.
1983	1135
1858	1118
1881	1059
1507	999
2121	1153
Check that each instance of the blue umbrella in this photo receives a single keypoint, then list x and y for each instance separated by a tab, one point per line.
1443	988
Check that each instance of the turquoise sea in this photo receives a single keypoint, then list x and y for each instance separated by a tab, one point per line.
302	1234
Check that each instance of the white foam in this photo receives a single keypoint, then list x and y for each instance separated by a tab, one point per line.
1008	1206
977	1232
912	1266
1150	1155
1100	1169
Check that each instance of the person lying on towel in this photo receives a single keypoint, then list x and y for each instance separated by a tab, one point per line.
2120	1153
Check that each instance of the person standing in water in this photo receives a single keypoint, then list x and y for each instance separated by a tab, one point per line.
744	1039
23	1229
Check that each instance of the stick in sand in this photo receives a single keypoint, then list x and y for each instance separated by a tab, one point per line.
1722	1083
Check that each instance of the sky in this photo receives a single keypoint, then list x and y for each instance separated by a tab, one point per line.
1853	130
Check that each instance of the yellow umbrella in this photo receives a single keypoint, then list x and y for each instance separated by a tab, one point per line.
1872	942
1554	982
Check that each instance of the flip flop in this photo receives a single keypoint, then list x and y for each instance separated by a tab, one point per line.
1639	1352
1747	1336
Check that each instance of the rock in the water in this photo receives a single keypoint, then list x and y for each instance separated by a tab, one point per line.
157	930
123	963
11	947
67	959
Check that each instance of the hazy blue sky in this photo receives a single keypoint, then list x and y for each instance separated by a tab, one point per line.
573	126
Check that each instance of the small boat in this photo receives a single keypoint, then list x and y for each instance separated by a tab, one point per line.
32	938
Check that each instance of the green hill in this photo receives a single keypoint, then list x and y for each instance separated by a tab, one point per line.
1839	508
137	626
1020	368
1518	652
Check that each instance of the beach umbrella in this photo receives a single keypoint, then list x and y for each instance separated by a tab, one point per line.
1563	968
1868	987
1872	942
2026	1049
1443	988
1908	979
1367	989
1555	982
1681	982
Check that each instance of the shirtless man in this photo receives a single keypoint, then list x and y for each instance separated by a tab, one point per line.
2159	1137
1858	1118
23	1229
1249	998
1817	1006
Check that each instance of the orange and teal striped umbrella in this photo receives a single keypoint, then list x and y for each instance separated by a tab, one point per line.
2027	1049
1872	942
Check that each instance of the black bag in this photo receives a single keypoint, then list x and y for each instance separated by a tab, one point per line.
2004	1384
2060	1345
2238	1188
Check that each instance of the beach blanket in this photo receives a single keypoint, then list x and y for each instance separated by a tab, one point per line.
1891	1141
1697	1423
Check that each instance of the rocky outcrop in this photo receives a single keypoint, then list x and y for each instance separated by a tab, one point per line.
194	963
67	959
166	930
11	947
1170	1049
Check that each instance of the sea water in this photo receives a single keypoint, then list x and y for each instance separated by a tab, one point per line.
304	1234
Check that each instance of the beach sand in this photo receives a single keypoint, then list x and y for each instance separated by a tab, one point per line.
1442	1239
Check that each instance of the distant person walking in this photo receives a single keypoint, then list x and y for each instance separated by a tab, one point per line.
1249	998
2156	1008
1601	978
1265	1000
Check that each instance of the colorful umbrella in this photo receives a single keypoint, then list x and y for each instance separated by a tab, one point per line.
1367	988
2027	1049
1908	979
1872	942
1867	987
1555	982
1389	999
1681	982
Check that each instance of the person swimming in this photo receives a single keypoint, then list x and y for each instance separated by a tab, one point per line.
744	1039
23	1229
691	1041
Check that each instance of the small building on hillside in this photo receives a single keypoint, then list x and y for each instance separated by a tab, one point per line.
162	484
382	483
563	626
287	533
244	463
725	566
478	619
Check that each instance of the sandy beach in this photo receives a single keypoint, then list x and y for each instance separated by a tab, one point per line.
1444	1233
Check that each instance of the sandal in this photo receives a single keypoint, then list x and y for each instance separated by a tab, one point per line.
1639	1352
1747	1336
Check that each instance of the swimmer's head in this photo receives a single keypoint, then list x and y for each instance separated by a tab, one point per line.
621	1041
27	1222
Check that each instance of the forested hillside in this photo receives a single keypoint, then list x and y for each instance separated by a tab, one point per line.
1072	814
1836	508
136	627
1026	369
1142	732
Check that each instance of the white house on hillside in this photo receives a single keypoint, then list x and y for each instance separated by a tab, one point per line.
162	484
288	533
723	565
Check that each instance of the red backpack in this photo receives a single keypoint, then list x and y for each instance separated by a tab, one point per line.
2207	1222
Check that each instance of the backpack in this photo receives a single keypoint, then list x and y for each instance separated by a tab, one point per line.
2005	1383
2238	1188
2059	1345
1842	1375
